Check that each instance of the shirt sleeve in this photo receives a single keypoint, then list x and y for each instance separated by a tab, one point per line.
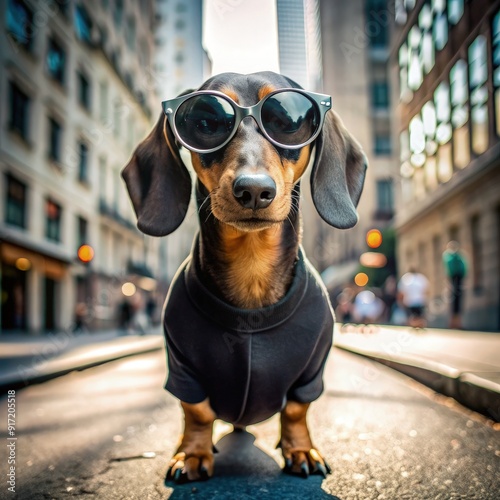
309	386
182	381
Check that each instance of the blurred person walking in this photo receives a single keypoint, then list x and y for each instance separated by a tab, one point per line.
413	289
455	267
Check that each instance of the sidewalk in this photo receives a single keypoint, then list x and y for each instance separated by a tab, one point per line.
27	359
461	364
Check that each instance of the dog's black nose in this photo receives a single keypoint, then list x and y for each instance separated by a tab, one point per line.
254	191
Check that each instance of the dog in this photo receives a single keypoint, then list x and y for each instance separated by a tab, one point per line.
248	324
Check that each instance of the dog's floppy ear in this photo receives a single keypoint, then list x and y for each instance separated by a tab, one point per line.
158	183
338	174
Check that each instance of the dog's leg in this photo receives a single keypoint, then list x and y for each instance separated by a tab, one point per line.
298	451
194	458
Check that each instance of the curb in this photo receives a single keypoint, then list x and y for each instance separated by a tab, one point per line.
66	364
474	390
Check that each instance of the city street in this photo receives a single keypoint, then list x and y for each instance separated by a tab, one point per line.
109	431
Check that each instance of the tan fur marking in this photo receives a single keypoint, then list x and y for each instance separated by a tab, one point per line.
230	93
300	165
251	258
265	90
209	177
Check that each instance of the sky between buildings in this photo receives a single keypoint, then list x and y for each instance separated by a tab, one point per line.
241	35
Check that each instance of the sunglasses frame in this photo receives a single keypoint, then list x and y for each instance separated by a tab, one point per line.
322	102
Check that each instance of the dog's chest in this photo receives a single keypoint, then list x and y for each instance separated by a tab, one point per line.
248	362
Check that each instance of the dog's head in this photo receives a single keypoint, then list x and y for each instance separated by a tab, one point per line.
249	179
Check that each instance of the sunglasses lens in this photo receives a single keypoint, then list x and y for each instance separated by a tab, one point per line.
205	122
290	118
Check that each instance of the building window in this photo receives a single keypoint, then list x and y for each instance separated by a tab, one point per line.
62	6
55	136
81	232
460	113
427	55
15	209
83	90
440	24
382	144
415	74
376	10
478	75
118	13
443	132
495	35
53	221
56	60
180	24
385	197
405	93
19	111
455	10
83	24
380	95
131	33
417	141
83	162
20	23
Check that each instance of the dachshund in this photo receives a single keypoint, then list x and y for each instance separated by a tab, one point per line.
248	324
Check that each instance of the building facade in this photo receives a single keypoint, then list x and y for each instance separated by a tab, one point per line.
299	42
355	48
447	60
76	96
181	62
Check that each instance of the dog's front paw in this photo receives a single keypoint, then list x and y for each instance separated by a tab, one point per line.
300	456
195	466
304	462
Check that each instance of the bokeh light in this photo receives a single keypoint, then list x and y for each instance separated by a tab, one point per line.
373	238
23	264
361	279
128	289
86	253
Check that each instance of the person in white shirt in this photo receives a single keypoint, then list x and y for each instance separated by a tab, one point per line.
413	289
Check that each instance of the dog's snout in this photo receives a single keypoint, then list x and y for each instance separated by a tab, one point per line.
254	191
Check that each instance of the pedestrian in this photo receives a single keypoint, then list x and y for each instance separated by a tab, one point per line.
81	311
151	309
455	267
368	308
125	315
343	311
413	289
389	292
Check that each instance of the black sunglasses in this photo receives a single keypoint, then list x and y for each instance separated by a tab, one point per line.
207	120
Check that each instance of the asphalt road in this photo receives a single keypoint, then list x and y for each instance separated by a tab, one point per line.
89	435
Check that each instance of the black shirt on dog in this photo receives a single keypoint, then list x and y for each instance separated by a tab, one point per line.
247	362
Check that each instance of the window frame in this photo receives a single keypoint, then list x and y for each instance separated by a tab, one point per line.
19	120
12	205
58	75
53	224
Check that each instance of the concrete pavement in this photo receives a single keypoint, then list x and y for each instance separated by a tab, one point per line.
460	364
